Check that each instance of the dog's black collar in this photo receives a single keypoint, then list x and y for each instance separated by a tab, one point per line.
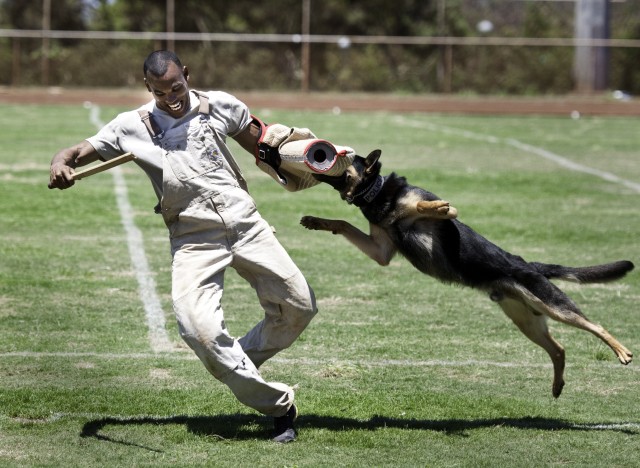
369	193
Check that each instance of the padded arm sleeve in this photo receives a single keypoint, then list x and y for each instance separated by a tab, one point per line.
291	155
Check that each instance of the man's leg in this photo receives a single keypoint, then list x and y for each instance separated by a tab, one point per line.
201	323
287	299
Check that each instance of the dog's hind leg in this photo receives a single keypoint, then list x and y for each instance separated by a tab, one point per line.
548	299
534	327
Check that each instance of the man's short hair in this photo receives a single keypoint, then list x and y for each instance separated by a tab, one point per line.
157	62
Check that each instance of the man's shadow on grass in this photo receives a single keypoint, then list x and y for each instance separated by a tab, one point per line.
245	426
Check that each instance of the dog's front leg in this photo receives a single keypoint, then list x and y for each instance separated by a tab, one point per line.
437	209
376	245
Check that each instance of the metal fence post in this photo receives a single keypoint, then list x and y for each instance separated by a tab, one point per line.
591	63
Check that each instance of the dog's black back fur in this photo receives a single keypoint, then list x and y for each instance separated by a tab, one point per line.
446	249
449	249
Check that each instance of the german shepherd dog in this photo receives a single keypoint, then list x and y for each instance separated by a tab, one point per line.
414	222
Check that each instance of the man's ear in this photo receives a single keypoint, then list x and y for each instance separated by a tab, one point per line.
147	84
185	72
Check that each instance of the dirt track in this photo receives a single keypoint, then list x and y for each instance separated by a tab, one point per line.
556	105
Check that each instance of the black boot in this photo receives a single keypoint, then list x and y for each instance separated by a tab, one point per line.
283	426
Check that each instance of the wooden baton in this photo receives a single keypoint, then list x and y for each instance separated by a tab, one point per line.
104	166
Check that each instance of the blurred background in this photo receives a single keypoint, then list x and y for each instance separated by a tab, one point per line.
499	47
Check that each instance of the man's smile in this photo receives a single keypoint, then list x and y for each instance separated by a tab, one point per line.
175	107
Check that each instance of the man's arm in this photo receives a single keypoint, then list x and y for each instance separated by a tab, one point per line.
248	138
63	163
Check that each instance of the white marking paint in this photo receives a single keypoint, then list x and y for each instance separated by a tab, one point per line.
158	337
573	166
186	355
560	160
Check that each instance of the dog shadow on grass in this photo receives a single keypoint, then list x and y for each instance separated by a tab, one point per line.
246	426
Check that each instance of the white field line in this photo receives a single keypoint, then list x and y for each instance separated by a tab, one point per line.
158	337
179	354
560	160
189	356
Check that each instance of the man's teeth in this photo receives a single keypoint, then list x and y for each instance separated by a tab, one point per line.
175	106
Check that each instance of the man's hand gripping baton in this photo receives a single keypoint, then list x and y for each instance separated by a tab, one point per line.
104	166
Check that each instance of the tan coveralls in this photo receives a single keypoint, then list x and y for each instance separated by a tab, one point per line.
214	224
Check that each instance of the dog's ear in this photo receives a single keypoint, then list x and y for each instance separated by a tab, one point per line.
371	161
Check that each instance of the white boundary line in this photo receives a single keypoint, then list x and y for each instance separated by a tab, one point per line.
186	355
158	337
560	160
573	166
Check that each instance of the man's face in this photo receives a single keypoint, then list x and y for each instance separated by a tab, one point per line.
171	90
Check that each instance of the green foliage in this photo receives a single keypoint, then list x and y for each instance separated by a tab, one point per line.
277	66
65	14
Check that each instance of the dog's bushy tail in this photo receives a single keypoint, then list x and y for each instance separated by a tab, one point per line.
590	274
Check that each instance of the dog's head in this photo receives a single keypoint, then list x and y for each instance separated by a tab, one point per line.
360	174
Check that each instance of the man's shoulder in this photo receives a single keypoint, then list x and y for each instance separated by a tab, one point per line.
218	97
127	122
211	93
132	114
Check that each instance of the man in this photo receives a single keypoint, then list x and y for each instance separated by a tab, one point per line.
178	139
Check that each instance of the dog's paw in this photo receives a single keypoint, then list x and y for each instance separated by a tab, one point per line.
452	213
624	356
335	226
308	222
438	209
316	224
557	387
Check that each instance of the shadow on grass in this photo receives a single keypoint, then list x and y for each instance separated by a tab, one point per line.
246	427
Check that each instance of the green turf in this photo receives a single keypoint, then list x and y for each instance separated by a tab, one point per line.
396	370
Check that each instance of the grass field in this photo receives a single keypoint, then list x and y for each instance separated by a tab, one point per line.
396	370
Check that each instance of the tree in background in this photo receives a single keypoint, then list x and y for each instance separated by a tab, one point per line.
335	66
26	54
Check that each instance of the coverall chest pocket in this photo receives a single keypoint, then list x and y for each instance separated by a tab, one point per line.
195	154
